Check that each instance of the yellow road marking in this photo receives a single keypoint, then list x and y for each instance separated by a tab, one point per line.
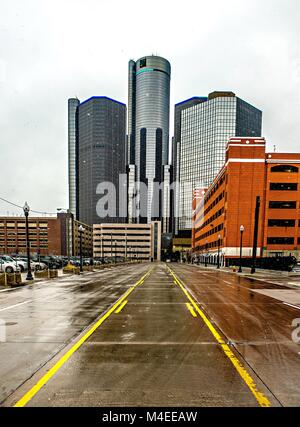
191	309
260	397
35	389
121	307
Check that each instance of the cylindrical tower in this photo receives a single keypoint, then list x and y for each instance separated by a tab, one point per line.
150	97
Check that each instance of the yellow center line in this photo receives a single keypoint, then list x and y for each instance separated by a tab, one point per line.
121	307
191	309
260	397
36	388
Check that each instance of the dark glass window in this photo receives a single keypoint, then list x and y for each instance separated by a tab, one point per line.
158	165
157	200
280	186
282	205
281	223
284	168
280	240
248	119
143	63
143	151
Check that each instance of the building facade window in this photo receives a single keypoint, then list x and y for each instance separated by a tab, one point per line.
281	223
285	169
281	186
143	151
282	205
143	63
280	240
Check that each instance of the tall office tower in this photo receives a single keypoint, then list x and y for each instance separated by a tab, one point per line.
148	132
73	104
175	175
205	130
101	161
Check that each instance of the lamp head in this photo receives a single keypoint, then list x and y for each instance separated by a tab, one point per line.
26	208
242	228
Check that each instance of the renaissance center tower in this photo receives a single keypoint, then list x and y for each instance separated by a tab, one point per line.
148	133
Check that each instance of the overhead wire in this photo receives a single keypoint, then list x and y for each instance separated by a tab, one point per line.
31	210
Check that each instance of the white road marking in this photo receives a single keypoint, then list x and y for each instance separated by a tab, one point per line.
16	305
291	305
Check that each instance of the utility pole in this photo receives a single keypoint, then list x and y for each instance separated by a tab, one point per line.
255	237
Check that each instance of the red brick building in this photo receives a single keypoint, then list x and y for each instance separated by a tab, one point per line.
47	235
229	203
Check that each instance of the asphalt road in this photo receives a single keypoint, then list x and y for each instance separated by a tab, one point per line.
225	342
41	319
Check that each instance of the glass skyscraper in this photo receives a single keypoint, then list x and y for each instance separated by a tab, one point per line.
175	174
148	131
204	131
99	135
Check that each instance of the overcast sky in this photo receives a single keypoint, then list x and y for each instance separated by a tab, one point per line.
51	50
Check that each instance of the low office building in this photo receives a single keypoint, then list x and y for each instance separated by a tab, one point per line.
229	203
129	241
47	235
87	239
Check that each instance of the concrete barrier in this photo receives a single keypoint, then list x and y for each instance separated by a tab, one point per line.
46	274
41	274
10	279
18	277
2	279
71	270
13	279
53	274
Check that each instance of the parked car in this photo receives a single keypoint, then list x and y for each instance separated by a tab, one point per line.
35	265
18	262
8	267
48	260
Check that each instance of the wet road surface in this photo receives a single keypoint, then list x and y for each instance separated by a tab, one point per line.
155	349
256	318
41	319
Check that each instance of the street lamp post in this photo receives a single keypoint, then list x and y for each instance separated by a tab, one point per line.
81	230
38	237
115	252
219	243
26	210
206	253
242	229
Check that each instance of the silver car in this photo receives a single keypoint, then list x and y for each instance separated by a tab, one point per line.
8	267
18	263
